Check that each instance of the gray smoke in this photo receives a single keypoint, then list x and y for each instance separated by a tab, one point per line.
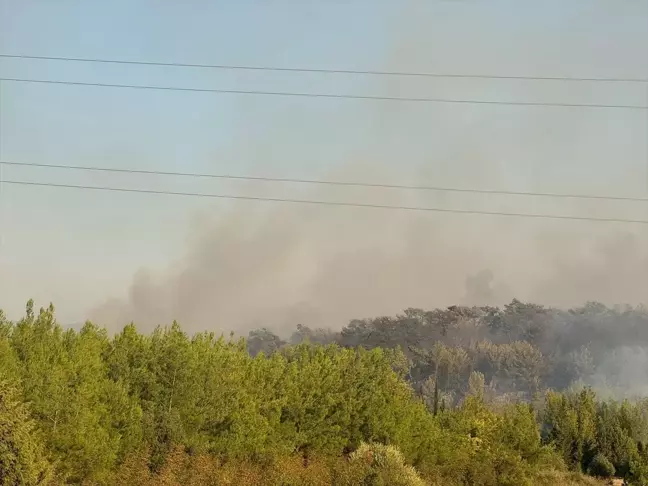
622	373
323	266
275	265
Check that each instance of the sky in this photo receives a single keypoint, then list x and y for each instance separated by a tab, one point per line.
224	264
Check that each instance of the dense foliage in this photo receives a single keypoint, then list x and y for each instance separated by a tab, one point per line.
81	407
521	349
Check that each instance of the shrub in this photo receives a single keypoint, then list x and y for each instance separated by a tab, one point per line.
386	466
557	478
601	466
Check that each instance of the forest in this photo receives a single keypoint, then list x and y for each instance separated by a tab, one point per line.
485	396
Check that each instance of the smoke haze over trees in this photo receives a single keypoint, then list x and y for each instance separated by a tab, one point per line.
282	267
521	348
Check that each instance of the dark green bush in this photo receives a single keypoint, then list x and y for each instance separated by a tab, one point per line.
601	467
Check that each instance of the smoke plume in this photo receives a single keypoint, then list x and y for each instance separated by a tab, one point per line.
277	265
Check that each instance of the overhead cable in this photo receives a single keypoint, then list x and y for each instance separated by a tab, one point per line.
327	203
327	182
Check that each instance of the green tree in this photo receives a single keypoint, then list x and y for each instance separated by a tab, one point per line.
22	457
85	416
601	466
570	423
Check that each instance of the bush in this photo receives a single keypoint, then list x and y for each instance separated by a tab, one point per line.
557	478
385	466
601	467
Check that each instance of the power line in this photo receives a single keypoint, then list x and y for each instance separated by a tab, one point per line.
326	71
325	95
328	203
327	182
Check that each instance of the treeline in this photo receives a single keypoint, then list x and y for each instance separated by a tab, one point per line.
82	407
521	349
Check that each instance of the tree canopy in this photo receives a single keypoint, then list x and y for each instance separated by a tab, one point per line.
406	400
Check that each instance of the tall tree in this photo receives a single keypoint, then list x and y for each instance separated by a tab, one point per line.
22	457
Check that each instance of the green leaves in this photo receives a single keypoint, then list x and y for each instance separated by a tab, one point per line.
165	406
87	420
21	453
598	437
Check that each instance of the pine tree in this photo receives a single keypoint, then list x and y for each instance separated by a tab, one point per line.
21	449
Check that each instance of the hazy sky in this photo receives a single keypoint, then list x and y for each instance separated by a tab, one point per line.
239	262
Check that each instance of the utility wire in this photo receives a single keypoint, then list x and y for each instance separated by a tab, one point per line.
327	203
327	182
325	95
326	71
